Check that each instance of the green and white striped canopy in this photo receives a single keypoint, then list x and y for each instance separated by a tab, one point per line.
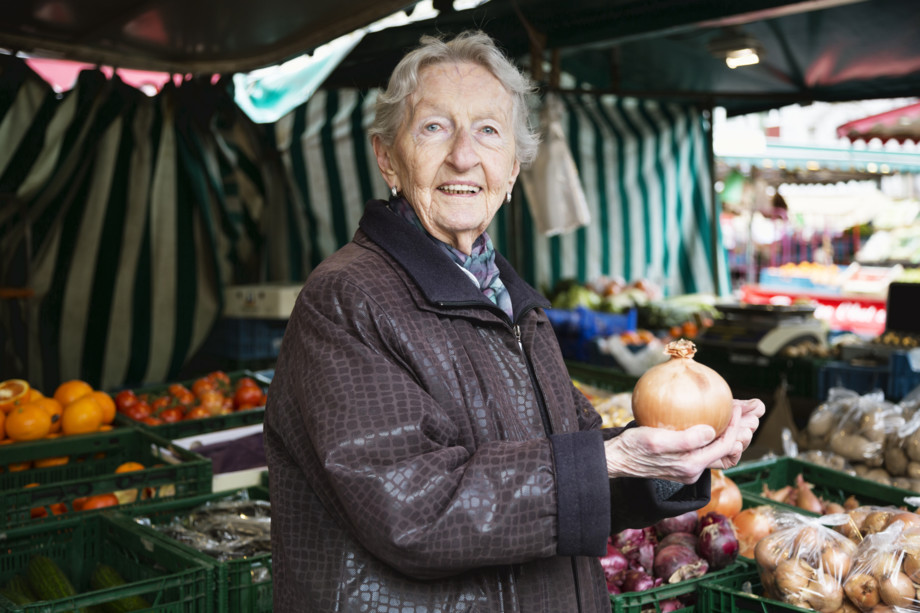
127	216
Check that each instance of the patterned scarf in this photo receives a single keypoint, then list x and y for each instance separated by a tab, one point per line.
481	262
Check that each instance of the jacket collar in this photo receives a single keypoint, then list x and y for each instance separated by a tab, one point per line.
437	276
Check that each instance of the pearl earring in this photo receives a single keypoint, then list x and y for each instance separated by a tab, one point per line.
393	191
508	198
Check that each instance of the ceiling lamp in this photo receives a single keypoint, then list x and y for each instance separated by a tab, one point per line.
736	47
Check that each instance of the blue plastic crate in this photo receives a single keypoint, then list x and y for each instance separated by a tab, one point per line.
245	339
902	378
577	328
860	379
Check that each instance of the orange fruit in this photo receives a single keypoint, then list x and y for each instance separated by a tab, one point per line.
81	416
2	426
107	404
55	461
53	408
16	467
71	390
34	394
99	501
129	466
13	391
28	422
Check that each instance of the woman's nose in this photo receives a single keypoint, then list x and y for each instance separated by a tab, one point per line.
462	151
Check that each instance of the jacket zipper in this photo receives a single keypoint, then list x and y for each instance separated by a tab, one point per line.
544	415
538	392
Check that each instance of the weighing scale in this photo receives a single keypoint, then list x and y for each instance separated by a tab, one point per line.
762	329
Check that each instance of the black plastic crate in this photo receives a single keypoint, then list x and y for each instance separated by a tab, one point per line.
164	576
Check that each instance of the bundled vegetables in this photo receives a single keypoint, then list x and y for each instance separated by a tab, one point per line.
805	562
885	572
673	550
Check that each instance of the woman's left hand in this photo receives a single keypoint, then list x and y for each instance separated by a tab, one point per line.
746	416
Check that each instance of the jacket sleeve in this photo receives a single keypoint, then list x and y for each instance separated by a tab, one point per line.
384	455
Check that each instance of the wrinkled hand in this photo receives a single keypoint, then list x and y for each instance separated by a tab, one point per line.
682	456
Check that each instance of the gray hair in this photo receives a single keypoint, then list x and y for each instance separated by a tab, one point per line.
470	46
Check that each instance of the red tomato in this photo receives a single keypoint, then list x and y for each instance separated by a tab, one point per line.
161	402
100	501
186	398
202	385
139	411
219	377
198	412
176	389
125	399
171	415
150	420
246	382
251	395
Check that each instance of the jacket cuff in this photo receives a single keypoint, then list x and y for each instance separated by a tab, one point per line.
582	493
651	500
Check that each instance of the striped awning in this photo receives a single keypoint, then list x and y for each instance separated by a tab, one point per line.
127	215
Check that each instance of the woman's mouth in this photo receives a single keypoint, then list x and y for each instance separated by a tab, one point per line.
459	190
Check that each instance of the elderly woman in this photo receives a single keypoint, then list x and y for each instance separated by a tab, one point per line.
427	449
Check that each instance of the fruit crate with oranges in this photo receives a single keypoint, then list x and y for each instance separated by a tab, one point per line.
77	474
109	564
243	563
216	401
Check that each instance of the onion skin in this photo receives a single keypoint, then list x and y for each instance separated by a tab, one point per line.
676	563
724	496
751	525
681	393
685	522
862	589
898	590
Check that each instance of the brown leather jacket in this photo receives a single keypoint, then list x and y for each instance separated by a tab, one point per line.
426	454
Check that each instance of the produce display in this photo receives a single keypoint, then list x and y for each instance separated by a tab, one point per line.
26	414
212	395
878	438
615	409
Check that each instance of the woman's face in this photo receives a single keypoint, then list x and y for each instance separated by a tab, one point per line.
453	158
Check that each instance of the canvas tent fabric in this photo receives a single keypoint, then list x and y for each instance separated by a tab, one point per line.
127	215
901	124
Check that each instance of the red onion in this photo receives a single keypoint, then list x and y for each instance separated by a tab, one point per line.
676	563
685	539
638	545
669	605
614	563
638	581
718	545
685	522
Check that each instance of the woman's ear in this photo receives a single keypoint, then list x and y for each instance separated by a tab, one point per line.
384	163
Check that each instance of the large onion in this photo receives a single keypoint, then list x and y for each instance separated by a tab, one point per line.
681	393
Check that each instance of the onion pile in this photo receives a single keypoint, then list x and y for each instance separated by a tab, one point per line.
681	393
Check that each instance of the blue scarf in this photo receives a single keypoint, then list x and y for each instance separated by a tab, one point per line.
481	262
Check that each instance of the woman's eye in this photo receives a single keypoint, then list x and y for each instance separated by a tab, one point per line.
432	127
490	130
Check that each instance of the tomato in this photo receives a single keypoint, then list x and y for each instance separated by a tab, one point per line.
212	401
125	399
186	398
198	412
247	395
202	385
139	411
246	382
220	378
176	389
171	415
56	509
100	501
150	420
161	402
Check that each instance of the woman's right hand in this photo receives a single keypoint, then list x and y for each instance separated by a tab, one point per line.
656	453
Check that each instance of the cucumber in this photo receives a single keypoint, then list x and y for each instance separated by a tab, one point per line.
105	576
17	591
48	581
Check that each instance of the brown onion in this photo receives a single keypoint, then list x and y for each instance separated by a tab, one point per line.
724	496
862	589
751	525
824	593
898	590
681	393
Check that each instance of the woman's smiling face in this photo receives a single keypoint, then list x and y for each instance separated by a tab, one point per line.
454	158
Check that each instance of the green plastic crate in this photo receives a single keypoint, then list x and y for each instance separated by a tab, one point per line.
197	427
90	470
237	582
169	580
829	484
689	590
605	378
740	592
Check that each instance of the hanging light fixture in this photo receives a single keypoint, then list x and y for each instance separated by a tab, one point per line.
736	47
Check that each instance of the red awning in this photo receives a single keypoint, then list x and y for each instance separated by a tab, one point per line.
901	124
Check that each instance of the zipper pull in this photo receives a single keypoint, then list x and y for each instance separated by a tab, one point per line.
517	337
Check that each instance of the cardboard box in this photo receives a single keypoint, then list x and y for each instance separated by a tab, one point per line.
264	301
